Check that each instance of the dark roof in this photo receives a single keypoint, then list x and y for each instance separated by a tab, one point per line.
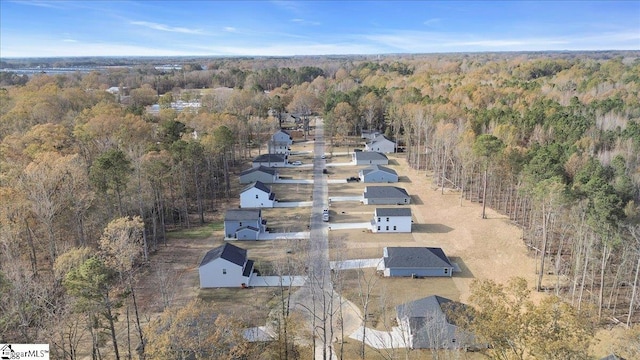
384	192
258	185
612	357
370	155
264	169
247	268
378	168
399	211
228	252
242	214
269	158
416	257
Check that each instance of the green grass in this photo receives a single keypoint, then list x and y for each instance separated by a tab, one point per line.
200	232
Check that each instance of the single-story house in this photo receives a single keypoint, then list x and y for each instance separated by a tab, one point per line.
225	266
380	144
369	134
429	323
263	174
244	224
397	220
385	195
370	158
378	174
257	195
271	160
415	261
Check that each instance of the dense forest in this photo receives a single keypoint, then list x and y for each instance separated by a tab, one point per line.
550	139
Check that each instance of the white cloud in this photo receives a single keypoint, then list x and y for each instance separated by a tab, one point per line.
431	22
70	40
163	27
229	29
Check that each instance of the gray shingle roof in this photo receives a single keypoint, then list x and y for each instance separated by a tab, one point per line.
228	252
264	169
370	155
242	214
384	192
372	168
258	185
269	158
247	268
429	306
416	257
399	211
379	138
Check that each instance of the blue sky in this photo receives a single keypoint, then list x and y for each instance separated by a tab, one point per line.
282	28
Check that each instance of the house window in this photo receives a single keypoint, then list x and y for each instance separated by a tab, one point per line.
453	341
378	228
240	223
256	196
446	271
405	200
387	227
394	228
378	219
224	271
387	219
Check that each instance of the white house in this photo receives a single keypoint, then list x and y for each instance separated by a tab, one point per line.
429	323
369	134
244	224
261	173
396	220
225	266
378	174
370	158
270	160
257	195
380	144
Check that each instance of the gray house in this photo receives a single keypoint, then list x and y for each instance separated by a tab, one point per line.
270	160
370	158
261	173
378	174
380	144
385	195
282	136
243	224
415	261
429	323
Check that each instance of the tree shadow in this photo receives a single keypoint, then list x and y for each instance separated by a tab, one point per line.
464	269
415	199
430	228
404	179
393	162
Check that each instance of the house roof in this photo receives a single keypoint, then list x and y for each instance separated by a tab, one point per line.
264	169
269	158
242	214
385	192
370	155
416	257
249	227
428	307
228	252
258	185
379	138
399	211
373	168
284	131
248	268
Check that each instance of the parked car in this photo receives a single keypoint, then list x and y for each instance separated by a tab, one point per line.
325	215
324	171
353	178
297	162
323	156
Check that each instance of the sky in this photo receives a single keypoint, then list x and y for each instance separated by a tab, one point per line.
30	28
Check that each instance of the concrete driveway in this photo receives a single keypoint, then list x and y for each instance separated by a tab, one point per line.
277	281
294	181
355	264
292	204
346	198
352	163
382	339
284	236
347	226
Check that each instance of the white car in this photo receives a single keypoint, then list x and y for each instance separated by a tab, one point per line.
323	156
298	162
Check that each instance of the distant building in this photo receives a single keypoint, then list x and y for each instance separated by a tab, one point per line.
280	143
270	160
380	144
395	220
